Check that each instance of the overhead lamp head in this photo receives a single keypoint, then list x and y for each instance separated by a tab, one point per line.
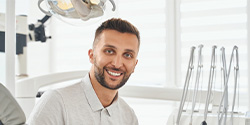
76	9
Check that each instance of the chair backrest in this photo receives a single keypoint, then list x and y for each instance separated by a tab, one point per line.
27	89
10	111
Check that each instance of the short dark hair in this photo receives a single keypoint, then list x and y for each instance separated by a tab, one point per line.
119	25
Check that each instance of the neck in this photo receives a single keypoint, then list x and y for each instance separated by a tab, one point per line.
105	95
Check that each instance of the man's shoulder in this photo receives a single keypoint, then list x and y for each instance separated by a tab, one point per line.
71	89
71	93
63	94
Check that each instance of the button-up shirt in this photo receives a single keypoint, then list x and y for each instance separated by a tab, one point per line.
78	104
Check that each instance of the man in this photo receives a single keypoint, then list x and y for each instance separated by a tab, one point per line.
95	100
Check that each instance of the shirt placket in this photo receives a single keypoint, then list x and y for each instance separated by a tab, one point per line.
104	115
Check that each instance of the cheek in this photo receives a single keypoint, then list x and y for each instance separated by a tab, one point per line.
101	61
130	67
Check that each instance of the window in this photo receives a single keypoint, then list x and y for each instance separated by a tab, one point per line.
151	22
168	30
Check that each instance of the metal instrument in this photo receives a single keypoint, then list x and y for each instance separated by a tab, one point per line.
186	85
196	86
210	83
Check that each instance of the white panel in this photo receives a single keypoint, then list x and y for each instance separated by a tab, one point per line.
2	68
2	55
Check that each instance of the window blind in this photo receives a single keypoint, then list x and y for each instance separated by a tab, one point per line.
151	22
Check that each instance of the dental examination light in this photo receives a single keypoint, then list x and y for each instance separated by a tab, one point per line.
196	86
76	9
186	85
210	83
234	58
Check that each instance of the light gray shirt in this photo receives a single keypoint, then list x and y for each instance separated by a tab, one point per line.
78	104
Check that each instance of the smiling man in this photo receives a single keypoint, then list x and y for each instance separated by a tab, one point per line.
95	100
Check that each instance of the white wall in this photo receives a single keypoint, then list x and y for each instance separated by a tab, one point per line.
38	53
2	55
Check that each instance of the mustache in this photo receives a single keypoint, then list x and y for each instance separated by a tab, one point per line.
115	69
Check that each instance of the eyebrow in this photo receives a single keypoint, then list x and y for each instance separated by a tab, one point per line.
111	46
127	50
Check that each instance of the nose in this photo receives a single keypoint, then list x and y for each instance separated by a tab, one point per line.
117	61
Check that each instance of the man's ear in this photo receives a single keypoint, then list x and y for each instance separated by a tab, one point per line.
91	55
135	65
136	62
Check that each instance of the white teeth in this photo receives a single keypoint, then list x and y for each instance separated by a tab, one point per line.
114	74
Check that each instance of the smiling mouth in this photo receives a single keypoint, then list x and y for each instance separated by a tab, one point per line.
114	73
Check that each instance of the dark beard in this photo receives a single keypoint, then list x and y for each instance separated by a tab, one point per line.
99	75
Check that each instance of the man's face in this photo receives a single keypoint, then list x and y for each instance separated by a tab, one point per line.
114	58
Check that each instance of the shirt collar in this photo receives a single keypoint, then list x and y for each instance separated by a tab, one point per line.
93	100
114	106
90	94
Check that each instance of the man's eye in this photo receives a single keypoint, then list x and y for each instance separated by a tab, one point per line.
109	51
127	55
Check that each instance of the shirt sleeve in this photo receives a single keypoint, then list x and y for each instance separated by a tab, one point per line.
135	120
49	110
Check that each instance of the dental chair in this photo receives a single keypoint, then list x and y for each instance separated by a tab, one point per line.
10	111
13	111
27	89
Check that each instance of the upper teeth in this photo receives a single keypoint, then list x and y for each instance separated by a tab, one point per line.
113	73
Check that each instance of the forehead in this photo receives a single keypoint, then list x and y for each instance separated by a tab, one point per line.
122	41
